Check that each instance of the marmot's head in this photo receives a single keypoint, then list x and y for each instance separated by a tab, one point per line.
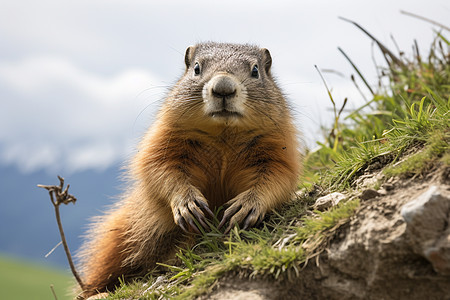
227	84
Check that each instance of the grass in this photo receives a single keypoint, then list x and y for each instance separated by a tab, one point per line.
404	130
23	280
411	113
434	152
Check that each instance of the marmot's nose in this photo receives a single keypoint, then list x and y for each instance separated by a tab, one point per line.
224	87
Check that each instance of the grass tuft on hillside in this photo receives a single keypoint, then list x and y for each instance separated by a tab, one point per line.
404	130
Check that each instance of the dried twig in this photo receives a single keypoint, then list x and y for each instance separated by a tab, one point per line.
60	195
53	291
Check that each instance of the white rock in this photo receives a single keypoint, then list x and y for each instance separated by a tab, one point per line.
428	218
328	201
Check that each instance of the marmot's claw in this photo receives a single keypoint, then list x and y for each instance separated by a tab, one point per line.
197	209
190	215
181	222
186	223
251	219
205	207
192	225
200	218
243	210
229	212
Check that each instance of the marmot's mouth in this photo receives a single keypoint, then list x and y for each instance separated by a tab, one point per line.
224	113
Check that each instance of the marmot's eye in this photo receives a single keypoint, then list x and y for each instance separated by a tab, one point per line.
196	69
255	72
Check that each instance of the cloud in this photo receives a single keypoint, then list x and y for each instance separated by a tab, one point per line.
63	108
58	116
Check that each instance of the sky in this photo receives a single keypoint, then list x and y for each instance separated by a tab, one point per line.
80	81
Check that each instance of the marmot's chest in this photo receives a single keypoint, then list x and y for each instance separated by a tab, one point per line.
220	168
213	158
221	153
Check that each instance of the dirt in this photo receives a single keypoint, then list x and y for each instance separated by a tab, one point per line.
388	250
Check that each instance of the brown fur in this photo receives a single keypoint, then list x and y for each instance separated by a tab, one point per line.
250	163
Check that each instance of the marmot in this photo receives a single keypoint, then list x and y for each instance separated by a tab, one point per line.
223	137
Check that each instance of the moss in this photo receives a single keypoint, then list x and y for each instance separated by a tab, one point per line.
435	151
445	159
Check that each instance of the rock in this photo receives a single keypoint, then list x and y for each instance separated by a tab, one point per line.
328	201
369	194
98	296
394	247
374	258
382	192
252	290
428	218
387	186
368	180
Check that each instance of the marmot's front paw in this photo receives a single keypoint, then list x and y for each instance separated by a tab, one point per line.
190	208
245	210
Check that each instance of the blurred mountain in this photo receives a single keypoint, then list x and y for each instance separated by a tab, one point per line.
28	226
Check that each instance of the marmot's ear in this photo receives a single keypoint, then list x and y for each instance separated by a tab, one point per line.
189	56
266	60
